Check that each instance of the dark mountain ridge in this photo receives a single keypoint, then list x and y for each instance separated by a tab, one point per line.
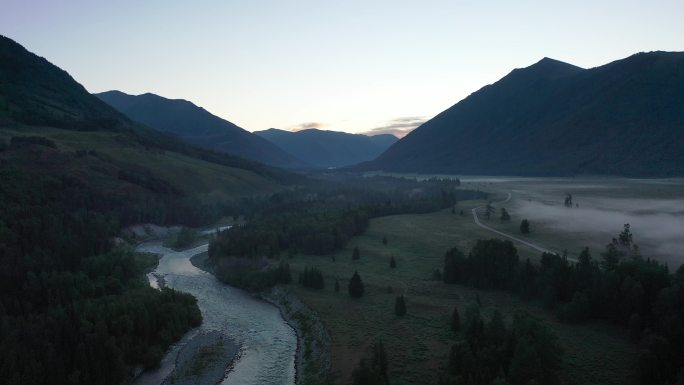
323	148
198	126
624	118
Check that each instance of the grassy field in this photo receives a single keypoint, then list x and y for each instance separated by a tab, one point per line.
190	175
418	344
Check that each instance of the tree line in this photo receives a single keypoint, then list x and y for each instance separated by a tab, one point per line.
490	352
320	219
73	309
623	287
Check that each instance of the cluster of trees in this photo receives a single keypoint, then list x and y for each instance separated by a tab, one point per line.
311	278
185	237
372	370
622	287
493	353
251	274
321	218
73	310
309	232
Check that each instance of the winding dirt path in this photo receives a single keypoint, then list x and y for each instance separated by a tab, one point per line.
512	237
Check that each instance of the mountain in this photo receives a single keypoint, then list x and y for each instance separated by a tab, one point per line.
84	138
198	126
325	149
552	118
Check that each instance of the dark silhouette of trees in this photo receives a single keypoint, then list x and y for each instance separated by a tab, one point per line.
400	306
489	210
504	215
625	237
453	264
455	320
524	353
283	274
525	226
356	286
638	293
372	370
568	200
312	278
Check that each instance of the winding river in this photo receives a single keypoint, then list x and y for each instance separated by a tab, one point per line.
267	344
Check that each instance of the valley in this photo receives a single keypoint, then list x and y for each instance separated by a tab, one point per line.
532	233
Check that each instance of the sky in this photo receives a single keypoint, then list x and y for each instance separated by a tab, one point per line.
369	66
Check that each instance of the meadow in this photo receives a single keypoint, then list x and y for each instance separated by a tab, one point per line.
418	344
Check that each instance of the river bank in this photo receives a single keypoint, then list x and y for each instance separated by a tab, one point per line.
242	339
313	354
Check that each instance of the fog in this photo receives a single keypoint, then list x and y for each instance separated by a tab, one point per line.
657	224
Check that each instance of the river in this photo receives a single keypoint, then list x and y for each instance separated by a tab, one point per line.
267	344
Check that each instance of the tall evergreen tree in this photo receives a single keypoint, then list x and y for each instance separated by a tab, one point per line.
525	226
455	320
356	254
453	261
356	286
400	306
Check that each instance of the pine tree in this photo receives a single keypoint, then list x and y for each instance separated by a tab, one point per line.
525	226
356	286
400	306
393	263
504	215
356	254
384	240
455	320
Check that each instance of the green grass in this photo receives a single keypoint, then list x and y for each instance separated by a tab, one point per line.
418	344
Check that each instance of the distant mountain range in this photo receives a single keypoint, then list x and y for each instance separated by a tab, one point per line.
552	118
324	149
198	126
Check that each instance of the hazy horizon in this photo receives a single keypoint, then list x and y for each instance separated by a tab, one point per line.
380	67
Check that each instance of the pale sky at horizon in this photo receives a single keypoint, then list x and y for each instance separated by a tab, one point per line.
347	66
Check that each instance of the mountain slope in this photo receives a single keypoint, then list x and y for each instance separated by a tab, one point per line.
88	139
623	118
328	148
196	125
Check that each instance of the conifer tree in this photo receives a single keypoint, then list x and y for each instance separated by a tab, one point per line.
525	226
455	320
393	262
356	254
356	286
400	306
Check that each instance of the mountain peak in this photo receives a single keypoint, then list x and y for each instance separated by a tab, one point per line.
550	68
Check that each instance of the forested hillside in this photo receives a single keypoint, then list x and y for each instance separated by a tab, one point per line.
75	308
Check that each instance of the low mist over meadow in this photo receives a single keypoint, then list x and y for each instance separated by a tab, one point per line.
657	224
